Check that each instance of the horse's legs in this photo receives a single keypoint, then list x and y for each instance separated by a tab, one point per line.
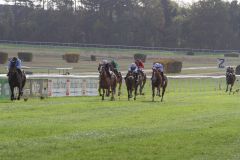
143	84
153	92
103	94
135	92
119	88
158	90
113	88
227	88
19	92
99	91
128	90
12	94
231	88
163	91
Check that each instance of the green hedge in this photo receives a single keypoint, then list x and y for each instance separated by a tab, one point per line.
93	58
231	55
237	70
25	56
171	65
71	57
190	53
3	57
140	56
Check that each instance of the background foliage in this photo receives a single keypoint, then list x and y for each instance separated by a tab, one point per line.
212	24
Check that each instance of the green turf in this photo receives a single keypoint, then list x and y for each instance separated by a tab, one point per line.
192	124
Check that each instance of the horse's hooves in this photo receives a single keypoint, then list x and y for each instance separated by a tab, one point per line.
134	99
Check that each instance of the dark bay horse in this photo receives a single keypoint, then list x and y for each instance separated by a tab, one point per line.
158	81
107	83
130	82
230	78
119	78
133	81
142	80
16	79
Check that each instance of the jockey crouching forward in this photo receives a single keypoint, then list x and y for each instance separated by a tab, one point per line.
158	67
140	66
18	64
132	69
115	67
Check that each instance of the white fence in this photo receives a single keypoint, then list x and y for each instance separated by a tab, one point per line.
70	85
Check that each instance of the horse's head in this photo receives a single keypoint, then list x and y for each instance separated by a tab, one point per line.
156	72
102	70
12	68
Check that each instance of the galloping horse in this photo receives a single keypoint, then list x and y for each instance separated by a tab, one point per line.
230	78
130	83
158	81
15	79
142	81
119	79
107	83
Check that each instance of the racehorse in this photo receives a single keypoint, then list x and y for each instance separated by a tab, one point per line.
230	78
119	79
158	81
15	79
130	81
107	83
142	81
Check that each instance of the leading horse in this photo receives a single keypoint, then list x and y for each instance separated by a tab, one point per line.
131	85
107	83
230	78
16	79
158	81
142	80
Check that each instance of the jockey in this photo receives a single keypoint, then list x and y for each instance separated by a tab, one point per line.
140	65
132	69
159	67
115	67
18	64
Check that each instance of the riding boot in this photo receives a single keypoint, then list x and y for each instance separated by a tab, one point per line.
126	76
20	72
162	78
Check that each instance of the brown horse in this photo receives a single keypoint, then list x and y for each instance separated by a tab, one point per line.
130	81
230	78
16	80
142	81
107	83
119	78
158	81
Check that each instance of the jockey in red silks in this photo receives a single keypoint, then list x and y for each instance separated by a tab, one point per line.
140	66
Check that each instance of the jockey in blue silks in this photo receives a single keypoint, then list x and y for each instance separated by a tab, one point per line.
132	69
159	67
18	64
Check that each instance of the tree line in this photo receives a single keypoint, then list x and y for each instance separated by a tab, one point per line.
206	24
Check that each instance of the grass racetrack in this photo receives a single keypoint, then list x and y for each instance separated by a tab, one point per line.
195	125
